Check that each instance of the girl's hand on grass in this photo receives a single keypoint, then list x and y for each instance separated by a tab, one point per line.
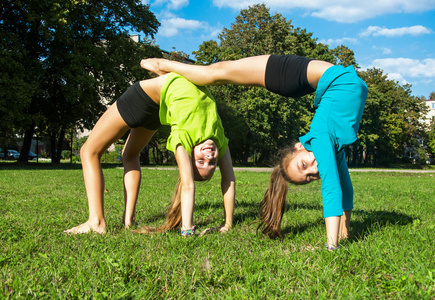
221	229
225	229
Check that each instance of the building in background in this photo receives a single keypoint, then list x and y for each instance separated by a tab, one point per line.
430	117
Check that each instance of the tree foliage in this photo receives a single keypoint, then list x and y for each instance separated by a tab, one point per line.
391	121
63	57
60	58
259	122
431	139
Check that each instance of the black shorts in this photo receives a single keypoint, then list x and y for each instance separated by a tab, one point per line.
286	75
137	109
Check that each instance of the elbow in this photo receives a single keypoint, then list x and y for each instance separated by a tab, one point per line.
228	176
228	180
187	187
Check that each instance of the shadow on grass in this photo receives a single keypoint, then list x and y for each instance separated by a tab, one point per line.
32	165
373	221
291	230
362	225
364	222
238	218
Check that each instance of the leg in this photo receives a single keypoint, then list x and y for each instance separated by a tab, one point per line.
343	232
332	229
136	141
109	128
246	71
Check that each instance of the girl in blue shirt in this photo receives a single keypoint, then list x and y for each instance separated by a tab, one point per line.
339	102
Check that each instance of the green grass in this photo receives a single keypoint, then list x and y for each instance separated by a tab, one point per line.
389	255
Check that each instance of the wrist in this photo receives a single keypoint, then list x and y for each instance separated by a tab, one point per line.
187	232
332	247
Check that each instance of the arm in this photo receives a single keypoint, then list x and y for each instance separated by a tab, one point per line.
228	186
187	187
324	152
347	189
246	71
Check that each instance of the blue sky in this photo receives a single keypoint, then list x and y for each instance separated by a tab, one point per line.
397	36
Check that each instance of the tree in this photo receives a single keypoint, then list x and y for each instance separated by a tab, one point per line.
431	139
391	121
345	56
256	120
432	95
72	54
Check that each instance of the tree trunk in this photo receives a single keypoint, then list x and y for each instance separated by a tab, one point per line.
53	147
58	154
264	158
27	142
145	155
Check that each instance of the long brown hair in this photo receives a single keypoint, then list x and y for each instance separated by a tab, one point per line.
274	202
173	219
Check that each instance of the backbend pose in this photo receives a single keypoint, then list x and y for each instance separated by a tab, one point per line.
339	102
196	134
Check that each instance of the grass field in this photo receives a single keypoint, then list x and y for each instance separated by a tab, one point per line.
390	254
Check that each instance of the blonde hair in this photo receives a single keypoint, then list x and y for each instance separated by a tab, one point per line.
274	202
173	219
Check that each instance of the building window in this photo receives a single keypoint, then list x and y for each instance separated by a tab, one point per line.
433	105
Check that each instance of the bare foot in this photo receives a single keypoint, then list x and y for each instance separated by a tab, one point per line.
221	229
130	225
343	234
129	222
86	228
153	65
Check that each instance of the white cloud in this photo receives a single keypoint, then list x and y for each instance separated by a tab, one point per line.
214	32
166	14
395	32
342	41
382	49
401	68
177	4
339	10
343	14
174	26
172	4
397	77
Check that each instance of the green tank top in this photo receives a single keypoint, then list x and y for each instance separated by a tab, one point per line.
191	112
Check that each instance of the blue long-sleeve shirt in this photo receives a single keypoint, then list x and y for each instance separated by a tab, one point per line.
339	102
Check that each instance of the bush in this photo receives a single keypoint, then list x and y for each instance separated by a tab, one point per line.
66	154
110	157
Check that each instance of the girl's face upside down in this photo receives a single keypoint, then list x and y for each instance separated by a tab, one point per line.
303	167
205	156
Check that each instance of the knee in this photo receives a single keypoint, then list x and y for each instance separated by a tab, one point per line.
128	157
87	152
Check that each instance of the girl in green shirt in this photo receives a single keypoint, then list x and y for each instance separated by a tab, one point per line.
197	139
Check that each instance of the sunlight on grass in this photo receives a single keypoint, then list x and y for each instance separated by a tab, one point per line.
389	254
